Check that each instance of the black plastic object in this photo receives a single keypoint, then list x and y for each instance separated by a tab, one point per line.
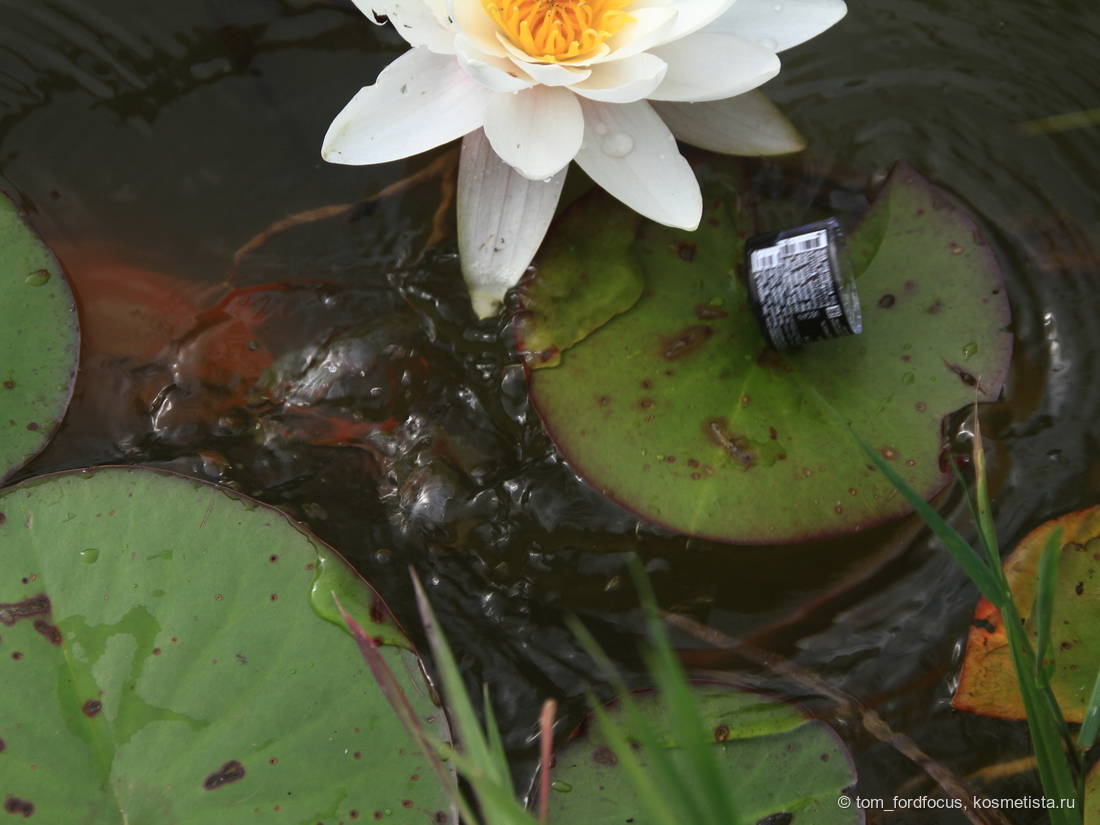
801	285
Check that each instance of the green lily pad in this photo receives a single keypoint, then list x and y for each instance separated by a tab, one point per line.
585	278
776	760
678	411
1092	796
987	684
39	341
161	661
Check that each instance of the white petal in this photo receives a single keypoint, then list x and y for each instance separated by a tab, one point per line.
474	22
749	124
537	131
373	9
779	24
695	14
415	20
502	219
706	66
630	152
498	74
650	27
553	74
420	101
623	81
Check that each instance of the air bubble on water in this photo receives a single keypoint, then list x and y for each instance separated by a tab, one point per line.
618	145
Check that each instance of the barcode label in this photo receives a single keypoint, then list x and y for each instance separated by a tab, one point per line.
804	243
799	285
788	248
765	258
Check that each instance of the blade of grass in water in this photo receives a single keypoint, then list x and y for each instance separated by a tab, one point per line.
390	688
1090	727
965	556
470	738
481	760
663	783
698	746
1044	606
1044	717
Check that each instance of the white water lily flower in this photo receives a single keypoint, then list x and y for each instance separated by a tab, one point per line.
533	84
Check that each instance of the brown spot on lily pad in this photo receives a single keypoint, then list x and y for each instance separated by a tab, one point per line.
737	446
687	342
965	376
13	805
49	631
229	772
13	612
604	757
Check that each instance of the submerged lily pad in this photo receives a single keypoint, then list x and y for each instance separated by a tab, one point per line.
987	684
160	661
39	341
678	411
780	765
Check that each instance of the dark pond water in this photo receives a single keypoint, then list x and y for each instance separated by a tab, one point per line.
149	142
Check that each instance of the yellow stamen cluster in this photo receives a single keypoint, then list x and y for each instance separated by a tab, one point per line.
554	30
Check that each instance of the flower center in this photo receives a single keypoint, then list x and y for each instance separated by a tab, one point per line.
553	30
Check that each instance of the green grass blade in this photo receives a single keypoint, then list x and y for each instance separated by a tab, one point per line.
1044	604
965	556
391	689
1086	737
698	744
472	742
992	552
654	801
663	772
984	520
496	745
1043	722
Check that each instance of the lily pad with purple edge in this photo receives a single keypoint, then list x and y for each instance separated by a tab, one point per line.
39	341
780	765
678	411
170	653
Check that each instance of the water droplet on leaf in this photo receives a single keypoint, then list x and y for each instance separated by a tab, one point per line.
90	555
970	350
38	277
